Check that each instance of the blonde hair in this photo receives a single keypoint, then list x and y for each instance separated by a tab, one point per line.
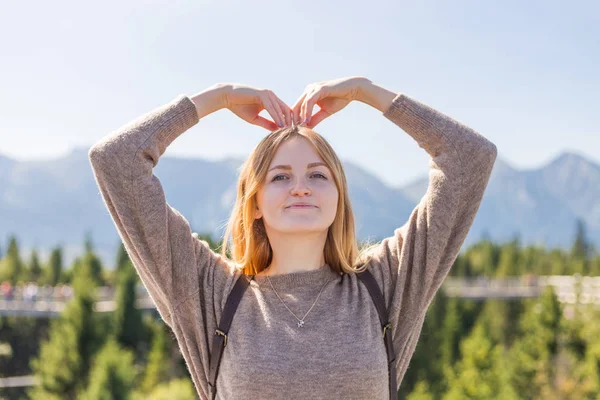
250	247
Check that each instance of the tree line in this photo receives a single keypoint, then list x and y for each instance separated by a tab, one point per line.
495	349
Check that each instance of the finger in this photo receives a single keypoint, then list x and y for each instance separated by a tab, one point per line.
287	112
303	106
278	110
317	118
309	104
296	109
270	106
265	123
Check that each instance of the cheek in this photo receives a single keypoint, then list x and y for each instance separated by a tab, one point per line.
273	196
328	197
334	200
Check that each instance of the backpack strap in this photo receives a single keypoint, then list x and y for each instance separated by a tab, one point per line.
220	338
367	278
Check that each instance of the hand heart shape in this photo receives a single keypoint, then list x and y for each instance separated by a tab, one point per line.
331	96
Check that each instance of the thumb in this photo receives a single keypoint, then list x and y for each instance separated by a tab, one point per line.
317	118
265	123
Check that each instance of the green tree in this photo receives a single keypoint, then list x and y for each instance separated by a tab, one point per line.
112	375
12	266
422	369
35	269
483	258
582	247
91	261
481	373
451	333
122	259
127	319
64	359
533	355
509	263
159	366
583	355
176	389
420	392
54	267
499	318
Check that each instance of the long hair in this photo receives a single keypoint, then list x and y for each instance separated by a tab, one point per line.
250	247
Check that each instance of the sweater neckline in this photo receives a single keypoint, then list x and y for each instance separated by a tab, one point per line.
298	279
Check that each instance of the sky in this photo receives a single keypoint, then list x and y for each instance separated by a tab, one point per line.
523	74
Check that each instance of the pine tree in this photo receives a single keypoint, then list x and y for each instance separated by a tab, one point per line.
64	359
112	375
93	262
533	354
451	330
509	263
499	318
176	389
583	356
35	269
481	373
582	247
122	259
54	267
12	266
127	319
428	348
421	392
158	369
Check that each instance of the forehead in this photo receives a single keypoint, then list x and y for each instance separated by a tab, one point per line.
296	151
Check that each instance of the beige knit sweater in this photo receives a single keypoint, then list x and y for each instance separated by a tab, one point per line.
339	353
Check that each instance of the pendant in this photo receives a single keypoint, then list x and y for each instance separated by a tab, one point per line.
300	324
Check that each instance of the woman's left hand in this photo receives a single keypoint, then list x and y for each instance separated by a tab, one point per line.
331	96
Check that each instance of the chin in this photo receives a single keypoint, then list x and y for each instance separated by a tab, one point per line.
302	228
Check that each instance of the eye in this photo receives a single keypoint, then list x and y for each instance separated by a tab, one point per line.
284	176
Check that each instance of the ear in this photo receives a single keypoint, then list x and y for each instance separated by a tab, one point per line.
257	213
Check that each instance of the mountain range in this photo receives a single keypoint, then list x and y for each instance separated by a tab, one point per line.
56	202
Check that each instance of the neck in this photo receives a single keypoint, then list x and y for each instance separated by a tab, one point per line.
293	253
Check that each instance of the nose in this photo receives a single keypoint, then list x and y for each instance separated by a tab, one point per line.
300	187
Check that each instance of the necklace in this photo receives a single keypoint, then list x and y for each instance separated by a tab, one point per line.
300	321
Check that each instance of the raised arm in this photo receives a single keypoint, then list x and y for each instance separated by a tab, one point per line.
411	264
171	262
157	238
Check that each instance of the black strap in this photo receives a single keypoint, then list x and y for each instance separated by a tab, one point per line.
367	278
220	338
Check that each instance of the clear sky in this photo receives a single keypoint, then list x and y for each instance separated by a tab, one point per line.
522	73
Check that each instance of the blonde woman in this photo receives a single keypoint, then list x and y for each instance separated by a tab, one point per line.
306	328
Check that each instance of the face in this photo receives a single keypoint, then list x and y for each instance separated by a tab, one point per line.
297	181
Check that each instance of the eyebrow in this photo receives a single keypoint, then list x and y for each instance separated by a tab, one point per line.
311	165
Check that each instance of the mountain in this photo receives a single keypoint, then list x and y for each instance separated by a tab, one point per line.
57	202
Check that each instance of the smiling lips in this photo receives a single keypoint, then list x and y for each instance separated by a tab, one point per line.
301	205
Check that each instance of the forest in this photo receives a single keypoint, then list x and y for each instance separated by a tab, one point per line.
525	348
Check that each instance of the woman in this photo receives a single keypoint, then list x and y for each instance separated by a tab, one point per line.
305	327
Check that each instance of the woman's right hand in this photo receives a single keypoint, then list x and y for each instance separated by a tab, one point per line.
247	102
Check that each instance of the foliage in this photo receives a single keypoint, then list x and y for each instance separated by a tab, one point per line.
498	348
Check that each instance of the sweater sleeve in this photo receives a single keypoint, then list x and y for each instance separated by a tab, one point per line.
173	264
411	265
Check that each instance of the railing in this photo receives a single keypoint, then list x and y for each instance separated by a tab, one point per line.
569	289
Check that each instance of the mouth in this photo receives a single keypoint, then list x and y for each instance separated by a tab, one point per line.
302	206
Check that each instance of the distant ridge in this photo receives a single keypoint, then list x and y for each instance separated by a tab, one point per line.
51	202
